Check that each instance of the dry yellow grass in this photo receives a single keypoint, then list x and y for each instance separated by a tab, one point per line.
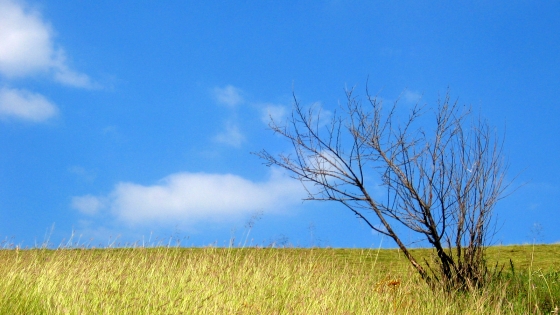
234	281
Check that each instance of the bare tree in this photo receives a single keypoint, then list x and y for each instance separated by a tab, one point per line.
441	183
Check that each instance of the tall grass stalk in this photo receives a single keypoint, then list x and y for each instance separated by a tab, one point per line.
167	280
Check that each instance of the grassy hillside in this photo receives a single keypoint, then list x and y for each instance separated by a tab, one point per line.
262	281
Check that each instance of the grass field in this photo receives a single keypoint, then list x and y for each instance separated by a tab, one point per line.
167	280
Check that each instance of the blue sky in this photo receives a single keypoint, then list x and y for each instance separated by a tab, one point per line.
134	121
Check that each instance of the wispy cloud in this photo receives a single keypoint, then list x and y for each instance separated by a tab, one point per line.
276	112
193	197
25	105
228	95
87	204
27	47
323	115
280	112
411	97
231	136
82	173
63	74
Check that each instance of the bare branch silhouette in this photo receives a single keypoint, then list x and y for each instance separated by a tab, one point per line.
440	183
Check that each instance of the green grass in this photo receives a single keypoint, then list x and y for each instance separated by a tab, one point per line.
166	280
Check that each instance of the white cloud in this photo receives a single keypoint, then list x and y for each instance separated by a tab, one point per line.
229	95
25	41
25	105
276	112
27	47
192	197
231	136
87	204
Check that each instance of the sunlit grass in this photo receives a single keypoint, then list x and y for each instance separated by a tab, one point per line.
166	280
